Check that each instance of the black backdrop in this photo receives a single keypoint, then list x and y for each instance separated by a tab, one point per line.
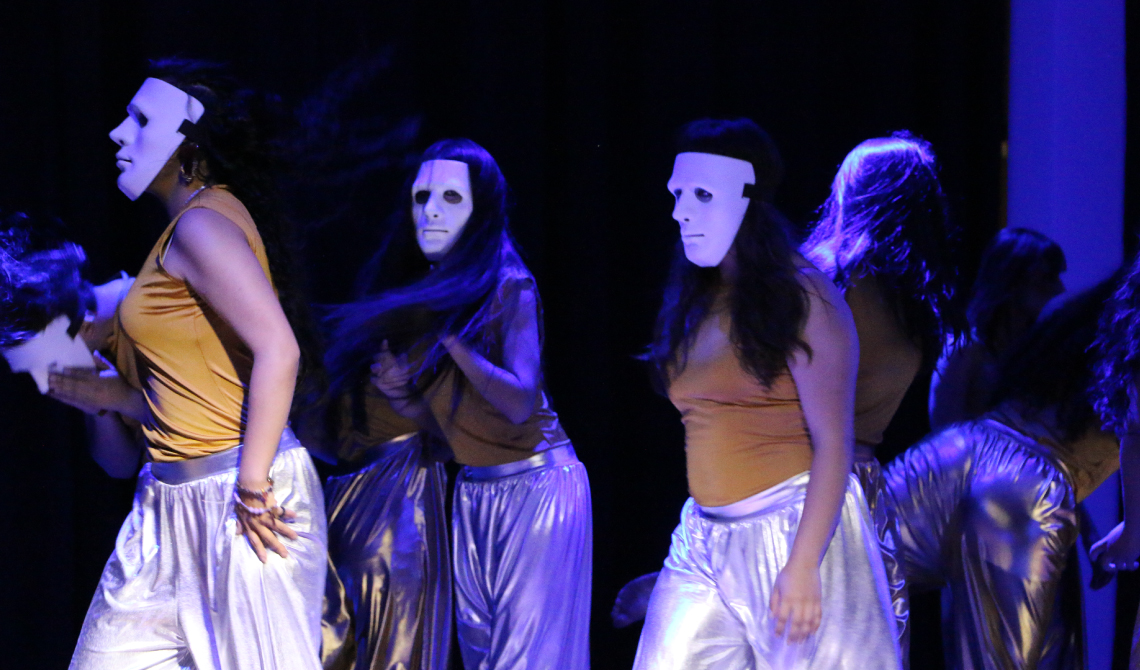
577	99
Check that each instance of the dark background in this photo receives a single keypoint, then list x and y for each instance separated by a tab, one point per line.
577	99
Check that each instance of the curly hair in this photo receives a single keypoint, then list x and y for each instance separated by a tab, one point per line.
1117	353
405	301
40	279
887	218
238	145
767	302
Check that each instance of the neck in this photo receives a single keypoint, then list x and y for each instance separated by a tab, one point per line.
173	193
729	268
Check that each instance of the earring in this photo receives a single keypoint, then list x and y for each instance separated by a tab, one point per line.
186	176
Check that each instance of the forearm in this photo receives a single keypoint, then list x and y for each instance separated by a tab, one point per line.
827	487
270	396
113	445
416	409
1130	483
501	388
134	405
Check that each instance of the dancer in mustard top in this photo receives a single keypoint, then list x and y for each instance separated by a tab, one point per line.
775	563
221	562
452	332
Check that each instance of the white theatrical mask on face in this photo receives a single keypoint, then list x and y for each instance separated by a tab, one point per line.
710	203
441	205
149	136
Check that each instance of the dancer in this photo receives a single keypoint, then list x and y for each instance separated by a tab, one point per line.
988	506
221	562
774	563
1116	394
886	240
1020	273
388	596
454	324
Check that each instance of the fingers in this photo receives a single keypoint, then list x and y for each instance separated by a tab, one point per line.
269	538
254	540
1097	549
779	610
281	527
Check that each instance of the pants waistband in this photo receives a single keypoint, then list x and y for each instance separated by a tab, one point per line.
181	472
781	495
555	456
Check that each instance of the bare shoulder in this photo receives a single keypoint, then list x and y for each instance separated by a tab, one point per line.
818	285
202	230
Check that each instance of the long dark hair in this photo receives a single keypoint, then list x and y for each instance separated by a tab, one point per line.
40	279
887	219
238	144
1052	366
767	302
407	302
1117	351
1012	263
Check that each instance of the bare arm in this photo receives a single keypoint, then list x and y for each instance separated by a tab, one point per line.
950	385
212	255
1120	549
825	381
513	388
114	446
392	375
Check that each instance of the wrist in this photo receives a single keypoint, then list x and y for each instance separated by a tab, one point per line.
801	561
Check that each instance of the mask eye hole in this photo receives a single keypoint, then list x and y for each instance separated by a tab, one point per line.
676	194
702	195
421	197
452	197
140	119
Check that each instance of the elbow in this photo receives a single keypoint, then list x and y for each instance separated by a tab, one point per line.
282	353
522	410
123	465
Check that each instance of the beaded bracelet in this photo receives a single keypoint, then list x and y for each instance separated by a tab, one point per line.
255	511
260	494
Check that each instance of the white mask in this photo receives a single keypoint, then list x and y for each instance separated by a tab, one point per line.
149	136
710	206
441	205
51	348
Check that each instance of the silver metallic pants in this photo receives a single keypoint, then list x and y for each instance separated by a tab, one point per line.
989	512
184	590
388	599
523	564
870	475
710	608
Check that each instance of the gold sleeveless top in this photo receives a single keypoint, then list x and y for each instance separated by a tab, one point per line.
190	364
479	434
740	438
367	419
888	362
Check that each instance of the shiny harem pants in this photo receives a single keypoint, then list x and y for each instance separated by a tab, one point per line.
710	608
989	512
388	601
184	590
523	564
880	504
